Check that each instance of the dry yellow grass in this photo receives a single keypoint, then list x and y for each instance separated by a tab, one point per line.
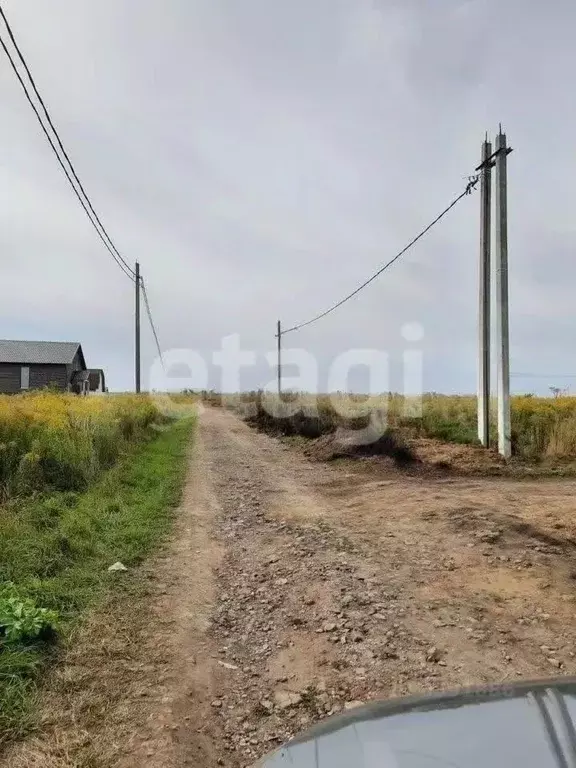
62	441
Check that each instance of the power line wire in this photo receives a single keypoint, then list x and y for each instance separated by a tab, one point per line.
544	375
84	201
149	313
472	182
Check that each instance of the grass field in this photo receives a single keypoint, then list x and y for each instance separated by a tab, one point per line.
542	427
58	441
59	536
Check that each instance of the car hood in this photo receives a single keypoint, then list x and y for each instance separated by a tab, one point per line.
529	724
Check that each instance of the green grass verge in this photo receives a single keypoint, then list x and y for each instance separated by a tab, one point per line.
56	549
450	431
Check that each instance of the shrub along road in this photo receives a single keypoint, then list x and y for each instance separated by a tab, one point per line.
294	589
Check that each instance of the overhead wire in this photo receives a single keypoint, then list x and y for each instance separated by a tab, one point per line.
544	375
70	174
472	182
150	319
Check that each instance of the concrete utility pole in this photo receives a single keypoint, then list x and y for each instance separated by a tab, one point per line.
502	326
137	337
484	297
279	337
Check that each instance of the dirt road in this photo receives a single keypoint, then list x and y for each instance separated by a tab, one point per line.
294	589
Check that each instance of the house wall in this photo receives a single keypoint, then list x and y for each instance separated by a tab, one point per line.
40	376
9	378
100	388
77	363
75	366
48	375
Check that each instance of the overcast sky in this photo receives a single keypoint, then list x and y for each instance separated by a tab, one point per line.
262	157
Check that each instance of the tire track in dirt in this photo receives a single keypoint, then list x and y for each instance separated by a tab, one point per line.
182	730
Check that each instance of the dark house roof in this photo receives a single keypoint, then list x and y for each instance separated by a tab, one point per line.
79	376
40	352
94	375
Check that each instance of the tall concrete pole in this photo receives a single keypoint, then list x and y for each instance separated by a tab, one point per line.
279	336
484	298
137	330
502	325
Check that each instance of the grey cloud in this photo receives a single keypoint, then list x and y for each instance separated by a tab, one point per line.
262	158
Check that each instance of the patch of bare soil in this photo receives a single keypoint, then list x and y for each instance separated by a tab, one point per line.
347	444
461	458
296	589
426	456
